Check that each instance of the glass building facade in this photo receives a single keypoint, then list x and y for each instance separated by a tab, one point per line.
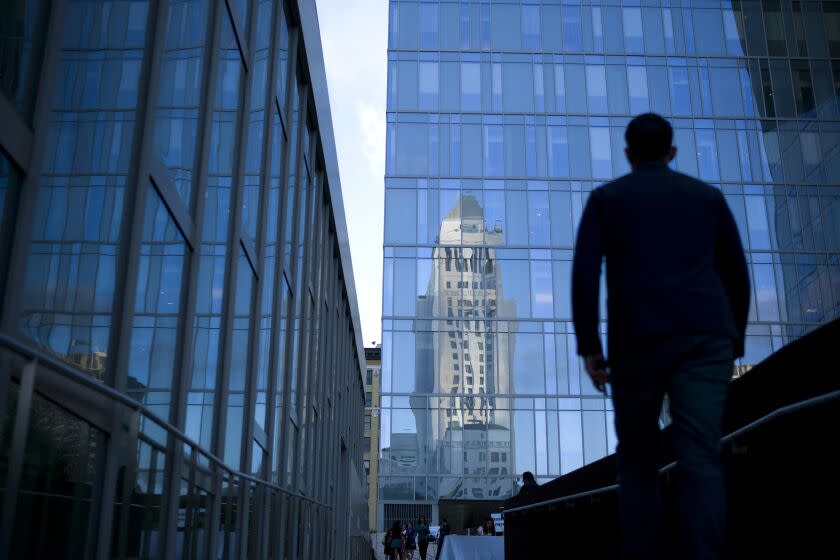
502	117
180	350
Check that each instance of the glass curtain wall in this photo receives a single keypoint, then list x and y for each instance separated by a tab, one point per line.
171	228
502	117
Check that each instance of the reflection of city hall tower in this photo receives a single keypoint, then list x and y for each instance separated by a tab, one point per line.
465	288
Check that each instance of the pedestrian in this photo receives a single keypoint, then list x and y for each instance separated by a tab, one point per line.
442	533
422	529
386	543
410	540
528	483
396	541
678	293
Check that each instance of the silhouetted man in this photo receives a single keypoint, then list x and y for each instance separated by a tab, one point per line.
528	483
678	295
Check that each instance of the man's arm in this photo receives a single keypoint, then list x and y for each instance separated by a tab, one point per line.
732	267
586	275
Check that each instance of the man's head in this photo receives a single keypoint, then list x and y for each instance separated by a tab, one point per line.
648	138
528	476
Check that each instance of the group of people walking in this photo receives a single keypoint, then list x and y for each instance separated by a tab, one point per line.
401	541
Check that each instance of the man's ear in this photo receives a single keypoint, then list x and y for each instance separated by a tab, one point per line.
672	153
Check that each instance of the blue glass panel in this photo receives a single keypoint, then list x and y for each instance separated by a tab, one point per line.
632	20
572	37
638	86
429	26
407	87
516	97
708	31
596	89
558	151
618	100
154	333
470	86
599	141
506	27
517	218
71	265
542	291
429	86
411	148
494	154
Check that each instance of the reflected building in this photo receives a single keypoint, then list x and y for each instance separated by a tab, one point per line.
501	118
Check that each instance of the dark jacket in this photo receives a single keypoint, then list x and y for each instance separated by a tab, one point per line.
528	486
675	264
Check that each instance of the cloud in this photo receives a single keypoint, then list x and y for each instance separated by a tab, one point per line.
354	38
372	127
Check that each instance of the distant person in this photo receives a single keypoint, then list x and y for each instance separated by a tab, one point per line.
528	483
386	543
488	529
422	536
410	540
396	541
442	533
678	293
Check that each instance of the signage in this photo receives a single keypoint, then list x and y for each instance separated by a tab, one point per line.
499	522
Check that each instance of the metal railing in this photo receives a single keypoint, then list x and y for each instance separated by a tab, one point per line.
775	414
134	489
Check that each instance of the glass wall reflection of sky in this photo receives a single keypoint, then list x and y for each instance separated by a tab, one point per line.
501	119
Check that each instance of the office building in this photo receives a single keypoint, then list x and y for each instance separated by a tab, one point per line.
181	352
502	117
373	358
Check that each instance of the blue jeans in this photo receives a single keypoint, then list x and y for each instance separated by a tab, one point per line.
694	371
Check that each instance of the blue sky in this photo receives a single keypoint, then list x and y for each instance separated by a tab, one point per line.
354	36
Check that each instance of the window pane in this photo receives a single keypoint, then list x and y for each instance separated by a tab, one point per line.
157	303
407	85
411	148
558	151
538	218
401	216
572	37
637	83
576	95
708	31
542	291
429	26
599	140
517	218
680	93
527	373
633	42
617	96
726	91
470	86
515	299
506	27
429	87
517	97
71	265
596	88
494	159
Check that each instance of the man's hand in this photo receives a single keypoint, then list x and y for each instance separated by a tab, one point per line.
596	367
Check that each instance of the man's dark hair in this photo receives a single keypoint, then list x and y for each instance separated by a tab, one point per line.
648	137
528	476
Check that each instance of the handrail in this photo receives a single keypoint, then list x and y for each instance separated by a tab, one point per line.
781	411
31	353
